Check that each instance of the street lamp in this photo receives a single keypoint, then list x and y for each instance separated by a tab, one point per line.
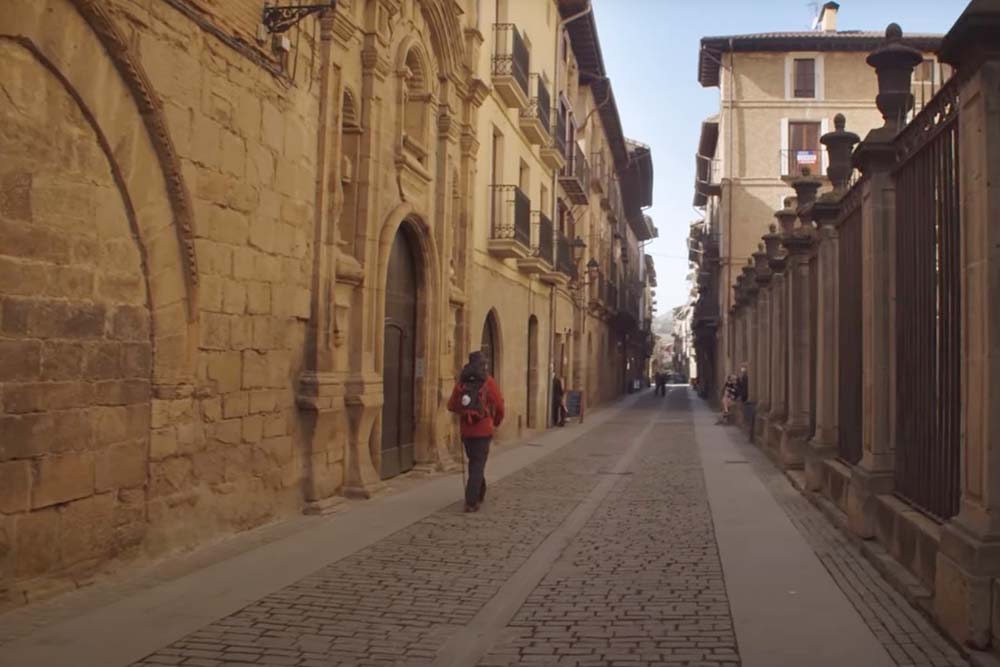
592	269
578	246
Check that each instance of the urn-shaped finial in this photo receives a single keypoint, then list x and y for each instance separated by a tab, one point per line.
786	216
894	63
839	145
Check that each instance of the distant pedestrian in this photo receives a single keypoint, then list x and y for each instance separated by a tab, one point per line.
661	384
729	396
558	401
478	402
743	385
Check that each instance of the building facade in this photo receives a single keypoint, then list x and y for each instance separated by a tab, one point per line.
244	252
778	95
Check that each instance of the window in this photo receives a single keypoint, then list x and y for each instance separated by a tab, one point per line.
804	77
803	147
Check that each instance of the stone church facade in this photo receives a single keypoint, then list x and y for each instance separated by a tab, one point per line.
238	271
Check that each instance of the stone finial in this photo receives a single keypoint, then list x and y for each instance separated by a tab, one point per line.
786	216
839	145
894	63
806	188
772	243
760	260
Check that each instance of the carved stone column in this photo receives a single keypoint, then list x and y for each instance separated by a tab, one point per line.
968	563
777	261
825	212
875	156
762	366
799	245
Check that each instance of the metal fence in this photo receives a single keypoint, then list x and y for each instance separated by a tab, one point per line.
850	335
928	300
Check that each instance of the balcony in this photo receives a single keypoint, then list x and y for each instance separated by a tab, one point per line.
553	152
510	65
575	176
534	119
510	229
598	291
565	268
793	161
599	173
612	298
542	257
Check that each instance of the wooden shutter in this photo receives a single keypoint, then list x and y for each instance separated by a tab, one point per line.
805	77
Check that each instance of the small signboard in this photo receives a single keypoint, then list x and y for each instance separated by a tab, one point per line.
574	403
805	157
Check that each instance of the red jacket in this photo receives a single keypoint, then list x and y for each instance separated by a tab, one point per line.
484	428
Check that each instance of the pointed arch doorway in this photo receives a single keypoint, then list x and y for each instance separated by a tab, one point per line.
490	344
399	359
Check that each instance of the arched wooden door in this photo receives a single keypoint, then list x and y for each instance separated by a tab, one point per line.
532	378
490	344
399	356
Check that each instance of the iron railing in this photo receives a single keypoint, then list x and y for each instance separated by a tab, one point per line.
578	166
850	381
564	256
928	302
511	55
598	171
544	244
559	132
540	104
511	218
793	161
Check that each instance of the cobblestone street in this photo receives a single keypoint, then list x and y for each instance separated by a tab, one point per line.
614	548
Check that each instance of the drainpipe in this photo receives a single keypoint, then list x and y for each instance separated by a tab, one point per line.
552	208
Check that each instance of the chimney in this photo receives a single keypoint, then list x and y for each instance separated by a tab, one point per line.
828	17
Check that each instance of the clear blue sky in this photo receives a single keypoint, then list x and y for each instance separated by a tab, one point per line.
650	50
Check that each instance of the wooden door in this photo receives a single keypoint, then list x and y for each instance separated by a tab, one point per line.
399	360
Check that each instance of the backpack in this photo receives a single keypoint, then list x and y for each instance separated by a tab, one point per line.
473	400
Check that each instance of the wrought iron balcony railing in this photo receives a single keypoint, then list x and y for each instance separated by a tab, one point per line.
564	256
510	64
575	176
544	238
534	118
511	215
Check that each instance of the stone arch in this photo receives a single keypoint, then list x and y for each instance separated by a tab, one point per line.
430	312
78	41
446	38
491	342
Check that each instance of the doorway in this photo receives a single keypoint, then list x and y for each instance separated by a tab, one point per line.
531	409
399	359
490	344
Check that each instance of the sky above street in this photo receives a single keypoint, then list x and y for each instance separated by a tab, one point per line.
650	50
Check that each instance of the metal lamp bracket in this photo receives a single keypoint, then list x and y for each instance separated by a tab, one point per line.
278	19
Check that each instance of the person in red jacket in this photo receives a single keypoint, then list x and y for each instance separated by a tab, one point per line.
477	400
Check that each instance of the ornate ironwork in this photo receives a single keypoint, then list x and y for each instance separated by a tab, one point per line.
278	19
934	118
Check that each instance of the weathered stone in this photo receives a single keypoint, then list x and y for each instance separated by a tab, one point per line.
39	548
62	477
121	466
20	360
44	396
87	528
15	484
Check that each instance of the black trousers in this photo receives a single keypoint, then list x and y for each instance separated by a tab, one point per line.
477	450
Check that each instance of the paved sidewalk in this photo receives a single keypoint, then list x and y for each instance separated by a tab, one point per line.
647	536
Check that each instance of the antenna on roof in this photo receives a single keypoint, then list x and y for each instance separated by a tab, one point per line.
814	12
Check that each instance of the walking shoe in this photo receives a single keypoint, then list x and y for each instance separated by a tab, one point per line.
470	508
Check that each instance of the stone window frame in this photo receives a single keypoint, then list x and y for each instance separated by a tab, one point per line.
820	91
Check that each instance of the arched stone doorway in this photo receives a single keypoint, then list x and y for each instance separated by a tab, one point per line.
532	379
399	358
490	343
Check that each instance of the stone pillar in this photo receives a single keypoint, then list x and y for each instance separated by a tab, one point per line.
825	212
777	261
968	563
875	156
749	337
762	365
799	244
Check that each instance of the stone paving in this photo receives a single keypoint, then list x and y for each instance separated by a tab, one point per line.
638	581
907	635
397	601
642	583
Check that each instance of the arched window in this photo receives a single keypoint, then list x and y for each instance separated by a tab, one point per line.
416	101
